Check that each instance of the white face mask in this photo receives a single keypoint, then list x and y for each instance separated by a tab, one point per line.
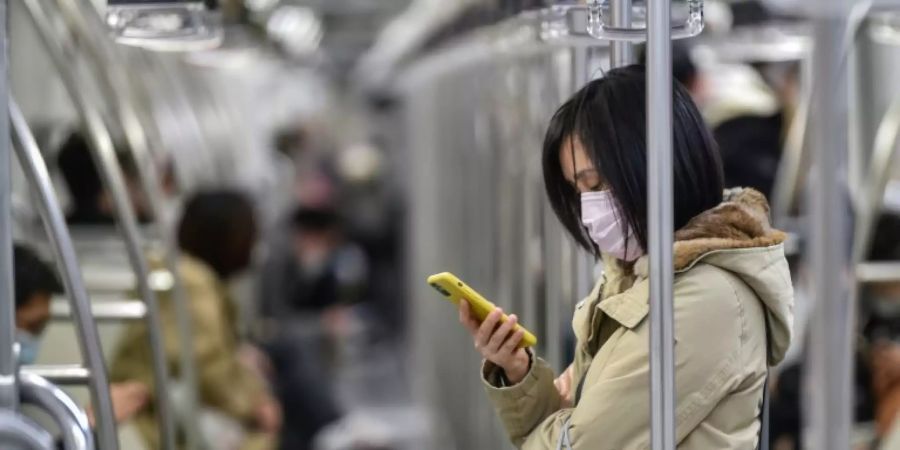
29	345
605	227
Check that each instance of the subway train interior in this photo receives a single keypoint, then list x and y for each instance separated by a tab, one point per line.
217	219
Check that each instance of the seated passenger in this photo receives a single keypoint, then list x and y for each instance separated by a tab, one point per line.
92	203
216	234
35	284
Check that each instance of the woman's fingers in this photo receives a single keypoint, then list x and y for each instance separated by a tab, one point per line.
466	318
501	334
512	343
486	330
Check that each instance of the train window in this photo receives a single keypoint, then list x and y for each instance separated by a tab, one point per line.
165	25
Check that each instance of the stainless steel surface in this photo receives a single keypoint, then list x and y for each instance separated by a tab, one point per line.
138	25
831	349
660	215
103	311
881	163
793	157
80	306
104	155
76	433
110	70
63	375
599	29
21	433
621	53
9	397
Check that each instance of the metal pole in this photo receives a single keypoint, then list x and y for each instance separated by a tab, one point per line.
20	432
830	373
621	52
115	81
73	423
88	338
660	218
9	396
105	159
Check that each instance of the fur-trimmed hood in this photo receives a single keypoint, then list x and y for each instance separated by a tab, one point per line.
736	236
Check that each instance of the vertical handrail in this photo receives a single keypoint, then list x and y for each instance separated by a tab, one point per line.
660	220
9	395
104	155
35	170
830	374
73	423
115	81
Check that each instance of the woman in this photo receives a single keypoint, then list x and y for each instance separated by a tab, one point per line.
732	291
217	234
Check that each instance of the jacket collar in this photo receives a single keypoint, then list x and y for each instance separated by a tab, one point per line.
739	222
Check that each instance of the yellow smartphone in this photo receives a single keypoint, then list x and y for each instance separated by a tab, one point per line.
455	290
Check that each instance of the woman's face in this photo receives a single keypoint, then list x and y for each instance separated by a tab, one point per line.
578	169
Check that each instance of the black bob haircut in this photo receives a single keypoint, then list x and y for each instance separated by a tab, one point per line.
218	227
608	117
32	276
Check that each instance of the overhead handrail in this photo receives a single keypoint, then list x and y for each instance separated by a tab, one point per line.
20	432
103	152
86	23
32	164
71	420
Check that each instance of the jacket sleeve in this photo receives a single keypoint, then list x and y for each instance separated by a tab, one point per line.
224	382
524	405
614	410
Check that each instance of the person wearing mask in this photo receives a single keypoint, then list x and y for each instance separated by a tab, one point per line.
35	284
732	288
216	234
92	203
309	294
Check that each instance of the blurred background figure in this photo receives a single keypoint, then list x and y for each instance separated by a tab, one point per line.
747	116
35	285
217	234
92	203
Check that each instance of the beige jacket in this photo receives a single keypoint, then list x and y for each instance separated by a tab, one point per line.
225	384
731	279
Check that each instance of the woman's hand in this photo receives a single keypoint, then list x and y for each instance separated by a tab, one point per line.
268	415
564	387
497	342
128	399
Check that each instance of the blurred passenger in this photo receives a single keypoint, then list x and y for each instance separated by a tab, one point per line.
216	234
35	285
732	294
331	271
309	293
92	203
877	357
744	114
